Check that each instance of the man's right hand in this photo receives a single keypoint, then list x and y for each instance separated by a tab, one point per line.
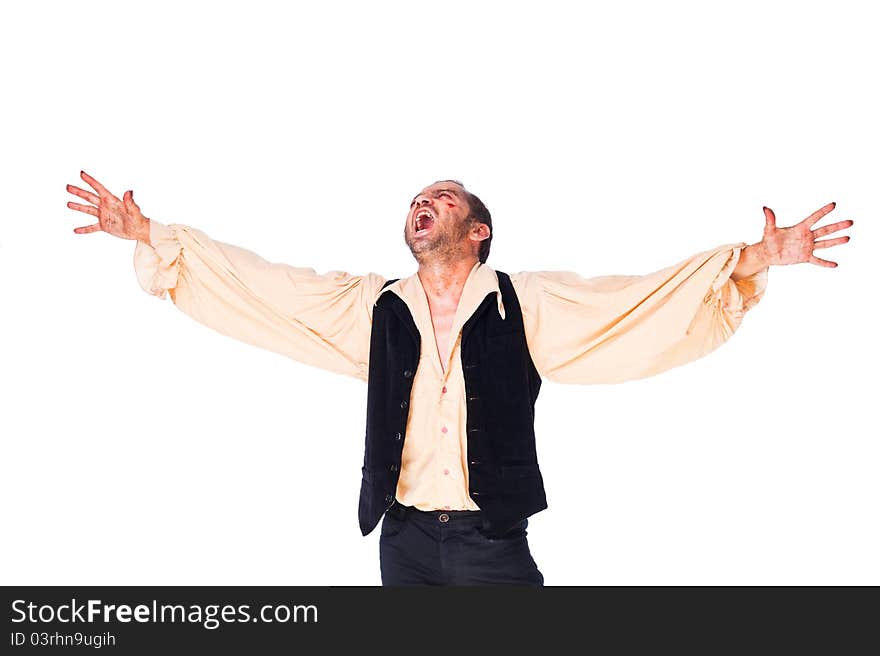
120	218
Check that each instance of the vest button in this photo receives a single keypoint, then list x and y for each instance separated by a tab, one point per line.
404	403
475	462
388	498
407	373
399	436
475	494
393	468
443	517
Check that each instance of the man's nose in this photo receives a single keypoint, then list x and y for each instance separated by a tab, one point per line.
422	200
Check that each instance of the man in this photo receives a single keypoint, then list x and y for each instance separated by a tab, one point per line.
454	356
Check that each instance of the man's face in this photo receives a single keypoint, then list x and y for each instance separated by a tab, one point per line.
437	224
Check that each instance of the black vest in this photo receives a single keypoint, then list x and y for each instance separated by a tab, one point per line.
501	386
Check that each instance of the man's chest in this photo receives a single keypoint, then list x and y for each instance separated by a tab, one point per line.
442	318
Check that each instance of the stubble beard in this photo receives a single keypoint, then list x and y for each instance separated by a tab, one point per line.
439	248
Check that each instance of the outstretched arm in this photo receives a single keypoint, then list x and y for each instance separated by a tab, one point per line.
611	329
320	320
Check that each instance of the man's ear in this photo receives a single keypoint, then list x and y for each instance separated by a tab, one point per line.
480	231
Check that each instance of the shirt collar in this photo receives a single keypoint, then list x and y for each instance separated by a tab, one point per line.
481	281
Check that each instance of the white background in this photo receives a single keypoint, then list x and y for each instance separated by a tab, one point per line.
139	447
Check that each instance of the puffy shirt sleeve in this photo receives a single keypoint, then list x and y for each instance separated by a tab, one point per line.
322	320
611	329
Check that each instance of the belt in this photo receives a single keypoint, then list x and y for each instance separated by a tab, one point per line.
399	511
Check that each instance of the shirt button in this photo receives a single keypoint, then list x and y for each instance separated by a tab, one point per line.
443	517
444	430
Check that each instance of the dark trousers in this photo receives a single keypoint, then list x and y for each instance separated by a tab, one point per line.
449	548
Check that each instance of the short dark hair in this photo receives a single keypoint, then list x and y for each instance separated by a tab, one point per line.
477	213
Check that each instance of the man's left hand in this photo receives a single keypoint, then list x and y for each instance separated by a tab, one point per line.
790	245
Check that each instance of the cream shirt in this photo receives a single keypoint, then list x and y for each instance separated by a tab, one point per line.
607	329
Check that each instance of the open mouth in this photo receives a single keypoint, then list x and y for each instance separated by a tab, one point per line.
424	221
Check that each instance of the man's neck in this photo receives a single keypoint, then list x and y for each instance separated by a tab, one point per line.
444	281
